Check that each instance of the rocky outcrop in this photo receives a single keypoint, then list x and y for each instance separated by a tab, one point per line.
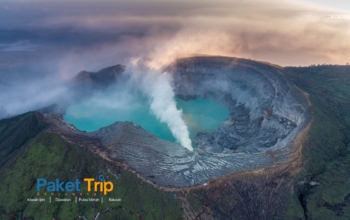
100	79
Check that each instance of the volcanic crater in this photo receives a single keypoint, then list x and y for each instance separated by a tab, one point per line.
266	113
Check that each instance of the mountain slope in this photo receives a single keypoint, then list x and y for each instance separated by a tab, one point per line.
45	155
322	189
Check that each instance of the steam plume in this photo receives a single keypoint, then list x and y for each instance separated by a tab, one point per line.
157	86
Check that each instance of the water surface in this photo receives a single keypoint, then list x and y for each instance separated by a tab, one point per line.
200	115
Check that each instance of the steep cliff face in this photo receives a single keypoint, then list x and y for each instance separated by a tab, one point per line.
265	110
266	114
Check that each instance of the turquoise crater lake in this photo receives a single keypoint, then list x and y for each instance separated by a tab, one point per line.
200	115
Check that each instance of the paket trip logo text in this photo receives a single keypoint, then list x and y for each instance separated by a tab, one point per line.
58	186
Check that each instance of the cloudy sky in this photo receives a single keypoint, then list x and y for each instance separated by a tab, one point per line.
63	37
45	43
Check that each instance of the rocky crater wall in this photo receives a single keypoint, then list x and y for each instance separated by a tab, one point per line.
264	108
266	114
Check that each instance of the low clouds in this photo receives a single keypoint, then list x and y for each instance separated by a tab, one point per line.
285	33
18	46
54	40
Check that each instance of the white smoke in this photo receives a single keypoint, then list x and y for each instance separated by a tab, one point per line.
157	86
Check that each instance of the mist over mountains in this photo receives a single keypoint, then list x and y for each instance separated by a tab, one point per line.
60	39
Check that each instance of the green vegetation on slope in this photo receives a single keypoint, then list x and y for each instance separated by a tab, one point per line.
327	152
49	156
15	132
27	153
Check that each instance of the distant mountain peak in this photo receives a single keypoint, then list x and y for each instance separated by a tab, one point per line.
104	77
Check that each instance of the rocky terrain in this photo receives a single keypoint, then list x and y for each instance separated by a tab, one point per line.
266	114
265	110
29	148
102	78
